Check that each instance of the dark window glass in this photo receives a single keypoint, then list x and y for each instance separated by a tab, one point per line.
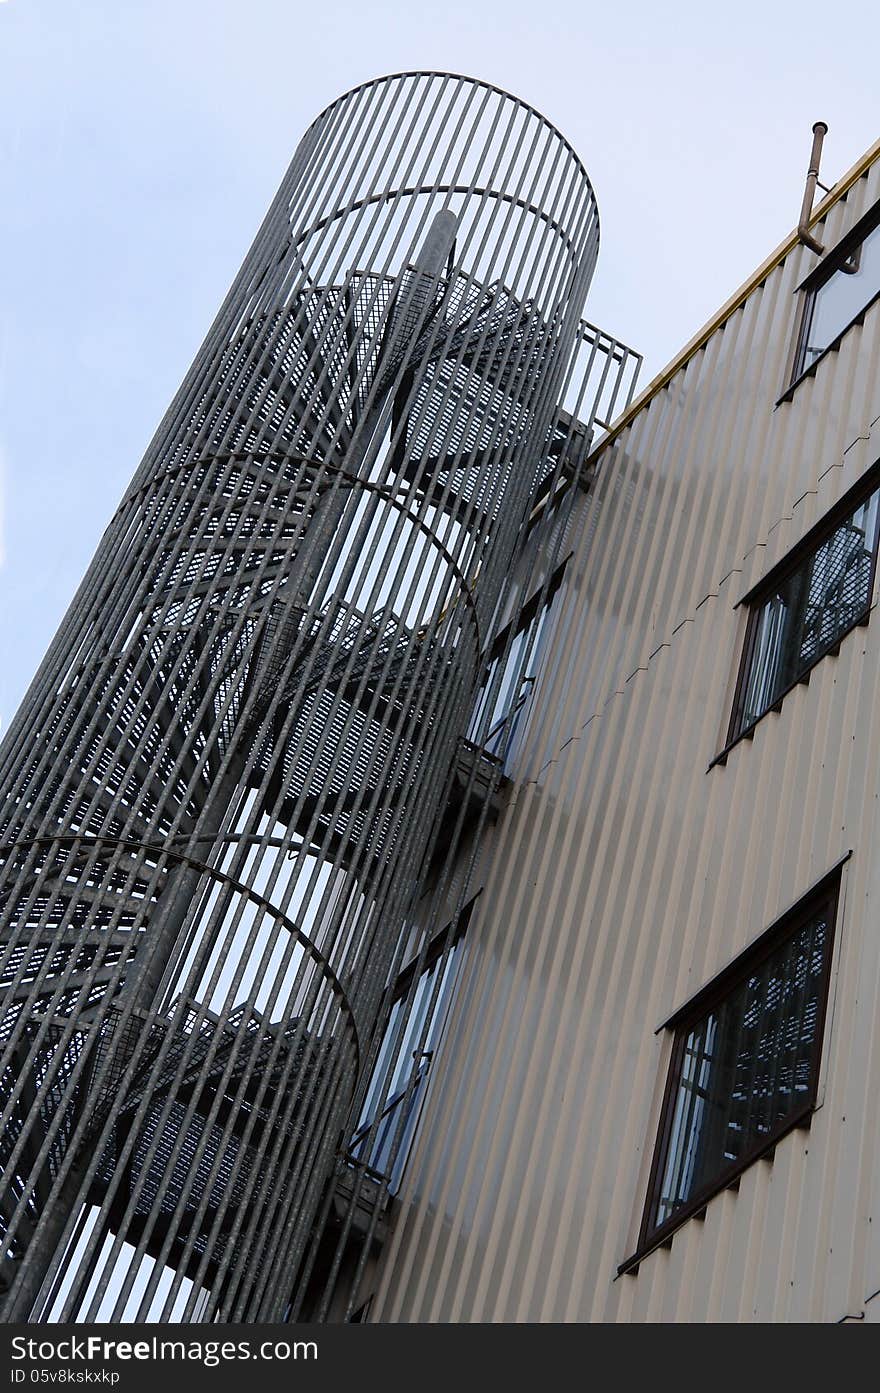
745	1062
850	284
498	723
805	612
386	1126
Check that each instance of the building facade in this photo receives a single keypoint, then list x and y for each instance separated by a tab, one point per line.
656	1095
438	874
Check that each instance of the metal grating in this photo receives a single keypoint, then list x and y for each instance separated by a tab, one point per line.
221	789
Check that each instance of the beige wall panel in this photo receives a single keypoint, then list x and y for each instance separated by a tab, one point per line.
626	872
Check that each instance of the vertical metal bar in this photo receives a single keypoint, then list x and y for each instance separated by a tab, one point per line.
226	778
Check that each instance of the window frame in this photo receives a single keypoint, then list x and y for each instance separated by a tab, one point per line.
825	894
754	600
499	650
444	942
809	287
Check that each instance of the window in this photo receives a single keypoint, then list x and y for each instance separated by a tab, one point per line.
509	680
386	1127
506	691
839	291
804	607
744	1067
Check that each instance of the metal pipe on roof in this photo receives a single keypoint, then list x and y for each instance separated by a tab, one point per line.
820	130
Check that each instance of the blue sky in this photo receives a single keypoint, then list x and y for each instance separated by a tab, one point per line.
143	140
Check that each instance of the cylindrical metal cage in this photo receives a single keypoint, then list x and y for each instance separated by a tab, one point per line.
221	789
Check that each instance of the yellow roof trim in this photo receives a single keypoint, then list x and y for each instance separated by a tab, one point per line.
739	296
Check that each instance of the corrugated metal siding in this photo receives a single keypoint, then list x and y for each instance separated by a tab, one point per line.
625	875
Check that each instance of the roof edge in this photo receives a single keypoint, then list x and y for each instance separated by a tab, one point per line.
702	336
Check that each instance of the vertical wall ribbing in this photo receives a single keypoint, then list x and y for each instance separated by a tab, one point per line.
625	875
